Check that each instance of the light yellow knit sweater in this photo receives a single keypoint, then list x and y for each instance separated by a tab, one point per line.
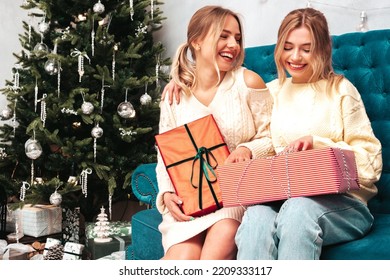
336	120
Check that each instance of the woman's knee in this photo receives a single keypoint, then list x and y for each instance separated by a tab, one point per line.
225	228
190	249
258	223
259	213
219	243
299	208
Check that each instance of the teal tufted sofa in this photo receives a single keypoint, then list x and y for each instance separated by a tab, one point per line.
364	58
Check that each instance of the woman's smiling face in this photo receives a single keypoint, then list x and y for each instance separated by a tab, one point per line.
297	55
228	46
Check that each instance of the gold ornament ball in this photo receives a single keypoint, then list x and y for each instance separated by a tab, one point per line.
76	125
72	180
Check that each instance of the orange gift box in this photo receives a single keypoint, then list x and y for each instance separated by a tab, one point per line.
191	154
287	175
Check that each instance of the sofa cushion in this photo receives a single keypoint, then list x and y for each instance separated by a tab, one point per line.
146	238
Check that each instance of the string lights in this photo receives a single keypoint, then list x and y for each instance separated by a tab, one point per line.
362	25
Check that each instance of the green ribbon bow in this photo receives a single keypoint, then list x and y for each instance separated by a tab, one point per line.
204	155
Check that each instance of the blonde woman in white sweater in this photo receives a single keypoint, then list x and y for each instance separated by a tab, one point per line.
314	108
212	82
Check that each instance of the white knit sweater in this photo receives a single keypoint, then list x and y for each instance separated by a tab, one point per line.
336	120
243	117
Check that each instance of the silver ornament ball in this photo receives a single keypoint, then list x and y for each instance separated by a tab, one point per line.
6	114
41	48
97	132
32	148
51	67
98	8
28	142
126	110
43	27
55	198
87	108
145	99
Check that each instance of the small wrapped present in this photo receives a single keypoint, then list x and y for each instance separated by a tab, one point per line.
50	242
99	250
116	228
287	175
191	153
115	256
70	225
55	252
72	251
14	251
38	220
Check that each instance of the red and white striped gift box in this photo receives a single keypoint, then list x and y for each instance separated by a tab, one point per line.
287	175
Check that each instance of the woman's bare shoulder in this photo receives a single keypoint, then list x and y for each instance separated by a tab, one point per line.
253	80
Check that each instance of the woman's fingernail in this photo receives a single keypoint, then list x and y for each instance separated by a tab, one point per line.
179	201
192	218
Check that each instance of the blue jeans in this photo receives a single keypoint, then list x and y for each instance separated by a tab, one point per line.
296	229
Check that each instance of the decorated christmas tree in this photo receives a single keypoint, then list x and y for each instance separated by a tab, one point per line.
83	101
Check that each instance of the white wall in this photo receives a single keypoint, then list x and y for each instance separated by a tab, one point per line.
261	21
262	17
10	26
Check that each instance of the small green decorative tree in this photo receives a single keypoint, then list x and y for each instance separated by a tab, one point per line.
83	101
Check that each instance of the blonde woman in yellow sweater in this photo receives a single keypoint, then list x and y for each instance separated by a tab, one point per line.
314	108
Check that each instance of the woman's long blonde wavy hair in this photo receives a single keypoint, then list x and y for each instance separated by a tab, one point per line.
207	20
321	45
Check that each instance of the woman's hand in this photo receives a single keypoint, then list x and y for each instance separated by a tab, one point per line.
172	202
171	89
239	154
301	144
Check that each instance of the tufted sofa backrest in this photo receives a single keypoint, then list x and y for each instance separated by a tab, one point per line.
364	59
